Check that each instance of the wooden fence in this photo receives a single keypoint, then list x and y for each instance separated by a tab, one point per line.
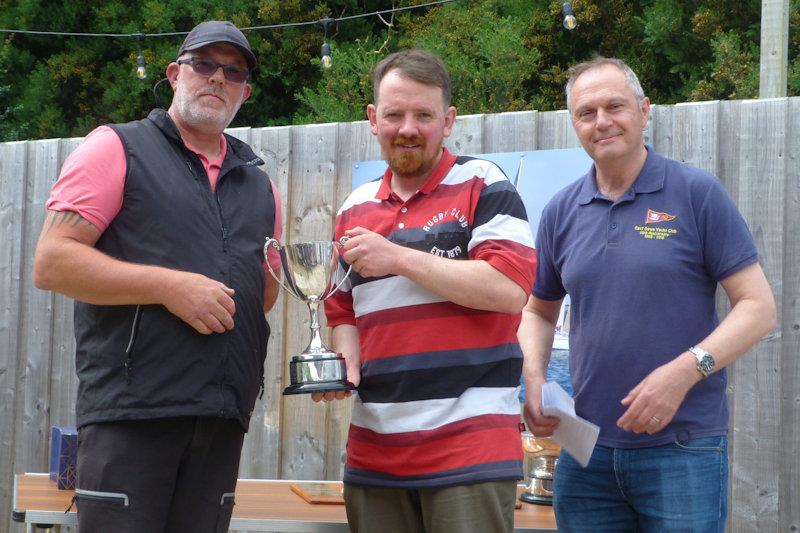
753	146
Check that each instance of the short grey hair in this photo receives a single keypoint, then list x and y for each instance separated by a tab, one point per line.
600	61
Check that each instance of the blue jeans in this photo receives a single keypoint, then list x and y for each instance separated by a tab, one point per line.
681	486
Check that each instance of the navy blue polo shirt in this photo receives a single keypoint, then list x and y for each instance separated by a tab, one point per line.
641	273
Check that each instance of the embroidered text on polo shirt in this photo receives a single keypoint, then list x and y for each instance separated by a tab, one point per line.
656	233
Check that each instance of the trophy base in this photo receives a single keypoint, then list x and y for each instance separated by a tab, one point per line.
325	386
323	371
533	498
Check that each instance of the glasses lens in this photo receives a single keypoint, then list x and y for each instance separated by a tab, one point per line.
207	67
234	74
204	67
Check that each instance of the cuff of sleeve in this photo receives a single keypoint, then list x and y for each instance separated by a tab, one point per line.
509	269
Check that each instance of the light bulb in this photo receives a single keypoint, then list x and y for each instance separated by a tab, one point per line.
141	71
569	16
327	62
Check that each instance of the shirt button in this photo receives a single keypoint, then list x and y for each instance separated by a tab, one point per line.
613	225
401	225
403	209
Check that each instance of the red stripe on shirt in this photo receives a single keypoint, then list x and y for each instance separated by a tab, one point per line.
384	336
460	450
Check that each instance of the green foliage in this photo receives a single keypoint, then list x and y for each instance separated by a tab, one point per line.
489	67
342	93
54	86
794	49
503	55
734	72
483	50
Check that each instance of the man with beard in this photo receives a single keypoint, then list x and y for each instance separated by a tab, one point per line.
443	260
156	229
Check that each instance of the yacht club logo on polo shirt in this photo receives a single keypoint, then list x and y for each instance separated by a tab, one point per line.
655	232
657	216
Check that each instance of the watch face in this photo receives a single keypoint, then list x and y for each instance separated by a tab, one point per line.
706	364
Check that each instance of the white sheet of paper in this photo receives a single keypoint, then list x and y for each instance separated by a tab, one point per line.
575	434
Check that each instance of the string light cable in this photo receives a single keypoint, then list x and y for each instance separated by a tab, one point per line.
141	71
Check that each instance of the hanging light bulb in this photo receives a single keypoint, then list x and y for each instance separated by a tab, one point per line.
141	69
326	55
325	51
569	16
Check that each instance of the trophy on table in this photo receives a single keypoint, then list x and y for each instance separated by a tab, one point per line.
308	268
543	453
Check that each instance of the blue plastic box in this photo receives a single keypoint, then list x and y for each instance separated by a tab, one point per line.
63	455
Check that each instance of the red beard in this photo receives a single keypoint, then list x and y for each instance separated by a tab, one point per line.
405	163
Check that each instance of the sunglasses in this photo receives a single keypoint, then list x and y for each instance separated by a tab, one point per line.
207	67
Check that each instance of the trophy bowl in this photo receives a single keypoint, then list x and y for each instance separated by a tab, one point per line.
543	454
309	269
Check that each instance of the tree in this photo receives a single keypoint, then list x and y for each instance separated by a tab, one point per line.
480	43
503	54
65	86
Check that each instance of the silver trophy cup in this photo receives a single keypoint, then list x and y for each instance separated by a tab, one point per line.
308	268
543	453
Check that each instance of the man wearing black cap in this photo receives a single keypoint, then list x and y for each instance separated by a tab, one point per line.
155	228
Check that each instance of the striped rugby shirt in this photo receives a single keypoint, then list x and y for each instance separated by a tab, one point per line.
438	400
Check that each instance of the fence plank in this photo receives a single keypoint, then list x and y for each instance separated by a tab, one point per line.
554	130
789	325
262	446
510	132
729	147
13	162
756	471
357	143
695	129
467	136
313	183
33	376
659	130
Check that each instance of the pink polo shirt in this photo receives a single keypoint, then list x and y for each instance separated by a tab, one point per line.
92	182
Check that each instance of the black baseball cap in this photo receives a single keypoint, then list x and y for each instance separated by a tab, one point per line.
218	31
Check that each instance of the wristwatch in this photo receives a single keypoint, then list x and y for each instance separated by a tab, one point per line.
705	362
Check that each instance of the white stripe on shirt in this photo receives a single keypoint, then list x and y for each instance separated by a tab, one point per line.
363	194
390	293
502	228
424	415
481	169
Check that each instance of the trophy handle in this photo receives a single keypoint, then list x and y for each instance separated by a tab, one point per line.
346	275
275	244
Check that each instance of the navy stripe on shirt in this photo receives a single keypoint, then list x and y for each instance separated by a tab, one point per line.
429	383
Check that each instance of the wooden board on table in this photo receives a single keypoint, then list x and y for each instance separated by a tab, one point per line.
315	492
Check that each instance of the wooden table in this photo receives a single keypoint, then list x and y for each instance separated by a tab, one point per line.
261	505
